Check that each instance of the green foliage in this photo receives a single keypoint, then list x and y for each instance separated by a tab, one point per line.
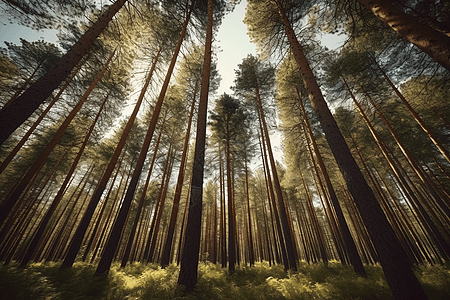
146	281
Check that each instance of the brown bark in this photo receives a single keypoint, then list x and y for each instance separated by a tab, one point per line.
430	41
22	108
286	238
162	199
176	199
189	259
9	203
350	246
399	275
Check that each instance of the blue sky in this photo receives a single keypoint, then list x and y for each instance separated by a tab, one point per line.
231	41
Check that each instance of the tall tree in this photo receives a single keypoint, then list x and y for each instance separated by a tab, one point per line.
21	109
9	203
191	247
227	122
255	79
390	252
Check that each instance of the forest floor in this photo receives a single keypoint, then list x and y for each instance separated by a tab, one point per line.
149	281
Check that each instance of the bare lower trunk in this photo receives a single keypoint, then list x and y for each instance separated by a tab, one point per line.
189	259
399	275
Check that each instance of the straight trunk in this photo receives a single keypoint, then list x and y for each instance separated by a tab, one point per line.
189	259
350	246
22	108
399	275
9	203
176	199
286	238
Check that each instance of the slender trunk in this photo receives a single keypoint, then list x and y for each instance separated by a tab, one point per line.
82	227
22	108
59	195
416	116
286	238
350	246
189	259
249	218
399	275
176	199
162	197
9	203
272	207
231	212
141	203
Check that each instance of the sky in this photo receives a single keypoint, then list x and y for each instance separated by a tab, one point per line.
232	42
234	45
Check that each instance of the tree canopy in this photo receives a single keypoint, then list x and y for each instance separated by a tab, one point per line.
115	146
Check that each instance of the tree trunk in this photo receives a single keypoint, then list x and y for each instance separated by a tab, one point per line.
249	218
286	238
350	246
399	275
59	195
9	203
82	227
430	41
176	199
189	259
231	211
162	200
22	108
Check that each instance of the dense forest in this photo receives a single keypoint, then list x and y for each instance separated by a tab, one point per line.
187	185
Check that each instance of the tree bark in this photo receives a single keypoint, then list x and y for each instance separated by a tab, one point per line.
189	259
430	41
9	203
176	199
286	237
399	275
350	246
21	109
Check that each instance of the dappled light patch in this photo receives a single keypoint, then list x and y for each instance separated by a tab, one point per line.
262	281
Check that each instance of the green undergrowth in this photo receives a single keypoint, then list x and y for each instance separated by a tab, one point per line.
147	281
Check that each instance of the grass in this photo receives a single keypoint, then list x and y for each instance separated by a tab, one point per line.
141	281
